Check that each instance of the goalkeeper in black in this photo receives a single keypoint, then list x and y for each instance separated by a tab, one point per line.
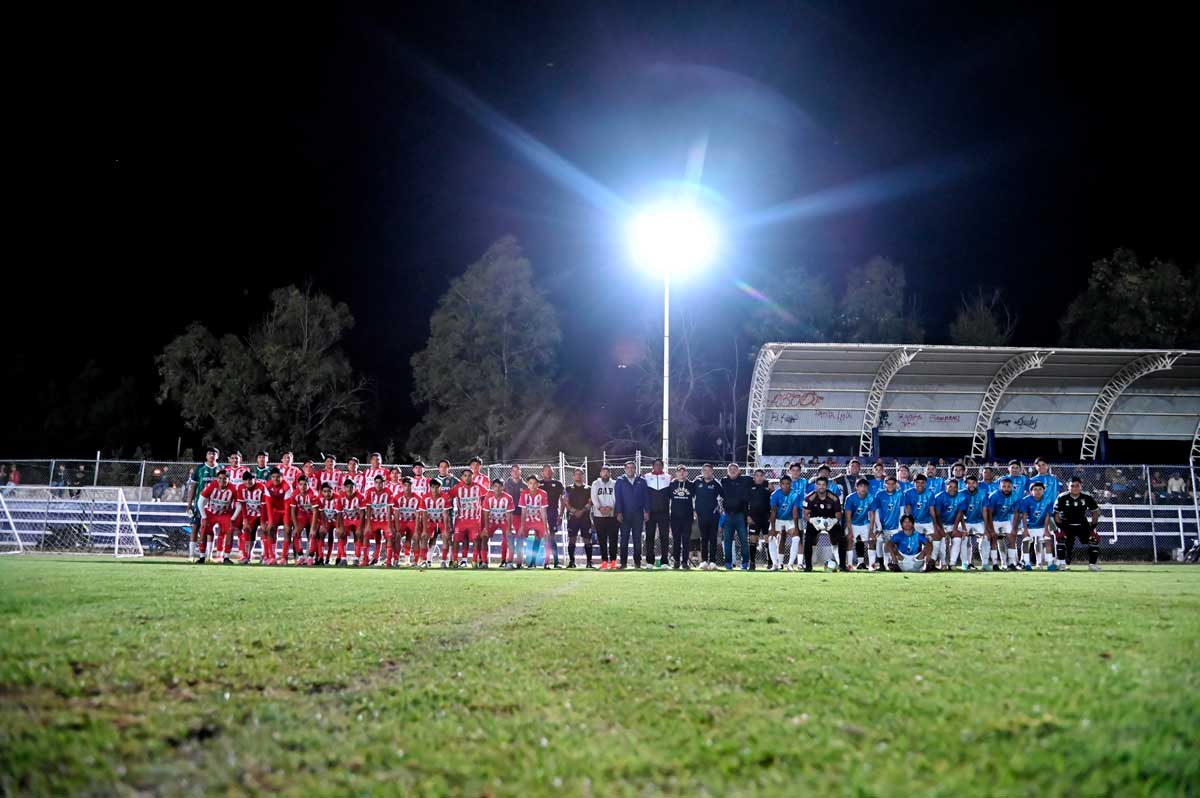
822	504
1078	517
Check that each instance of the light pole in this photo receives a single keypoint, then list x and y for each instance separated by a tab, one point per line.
673	238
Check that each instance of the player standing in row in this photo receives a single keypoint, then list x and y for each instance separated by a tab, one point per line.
218	510
352	520
555	506
860	518
379	516
578	503
800	488
251	496
300	512
918	504
468	520
1036	510
604	500
784	518
889	507
203	474
758	513
408	526
439	505
1002	516
974	530
823	504
328	526
497	511
682	514
534	527
947	524
291	473
235	469
1078	518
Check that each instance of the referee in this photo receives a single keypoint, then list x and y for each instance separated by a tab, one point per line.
1078	516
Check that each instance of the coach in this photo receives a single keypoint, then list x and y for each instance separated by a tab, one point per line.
736	489
631	505
708	509
658	486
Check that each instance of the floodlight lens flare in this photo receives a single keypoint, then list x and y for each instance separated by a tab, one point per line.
677	238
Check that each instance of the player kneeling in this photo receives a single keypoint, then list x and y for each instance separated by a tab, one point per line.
1037	545
254	513
909	550
497	508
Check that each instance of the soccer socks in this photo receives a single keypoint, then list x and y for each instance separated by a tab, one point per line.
1093	553
794	550
871	556
773	551
955	550
939	547
341	548
985	551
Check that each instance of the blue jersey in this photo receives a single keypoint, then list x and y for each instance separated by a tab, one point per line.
1002	506
1035	512
908	545
877	486
1020	483
921	504
783	504
859	508
935	485
836	490
947	507
1051	483
972	505
888	507
800	489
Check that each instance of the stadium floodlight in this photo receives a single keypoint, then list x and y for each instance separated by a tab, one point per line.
672	239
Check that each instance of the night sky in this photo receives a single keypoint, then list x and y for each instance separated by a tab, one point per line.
180	166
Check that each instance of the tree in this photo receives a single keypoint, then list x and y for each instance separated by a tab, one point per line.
1130	305
983	320
875	307
287	385
487	373
794	305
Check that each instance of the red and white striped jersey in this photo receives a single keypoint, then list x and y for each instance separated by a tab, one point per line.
375	471
466	501
352	505
331	508
533	506
482	479
420	485
218	500
497	507
236	473
252	499
360	480
437	509
408	507
305	502
290	474
379	500
335	479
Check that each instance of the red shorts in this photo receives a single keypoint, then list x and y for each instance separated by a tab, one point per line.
251	523
467	529
303	521
379	526
351	528
406	529
537	527
222	521
435	529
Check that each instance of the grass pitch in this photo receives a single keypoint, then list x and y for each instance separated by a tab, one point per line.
164	678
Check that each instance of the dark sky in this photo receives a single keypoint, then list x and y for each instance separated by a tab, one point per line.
179	166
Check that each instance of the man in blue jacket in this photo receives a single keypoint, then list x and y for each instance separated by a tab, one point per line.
735	489
632	506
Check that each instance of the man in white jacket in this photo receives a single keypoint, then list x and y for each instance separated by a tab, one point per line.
604	518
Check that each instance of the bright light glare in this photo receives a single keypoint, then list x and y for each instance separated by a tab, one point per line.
677	238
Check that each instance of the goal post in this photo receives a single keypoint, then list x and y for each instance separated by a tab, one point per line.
67	520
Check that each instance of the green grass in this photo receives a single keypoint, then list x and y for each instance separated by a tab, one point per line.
163	678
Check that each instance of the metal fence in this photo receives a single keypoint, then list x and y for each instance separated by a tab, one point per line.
1149	512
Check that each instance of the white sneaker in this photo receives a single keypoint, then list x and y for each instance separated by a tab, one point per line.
1093	567
703	565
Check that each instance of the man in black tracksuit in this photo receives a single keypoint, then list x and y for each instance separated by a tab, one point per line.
579	517
708	494
759	511
1077	516
682	513
658	484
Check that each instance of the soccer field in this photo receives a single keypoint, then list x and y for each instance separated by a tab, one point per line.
164	678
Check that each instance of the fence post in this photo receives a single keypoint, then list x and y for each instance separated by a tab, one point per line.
96	472
1195	504
141	496
637	459
1150	494
50	479
562	468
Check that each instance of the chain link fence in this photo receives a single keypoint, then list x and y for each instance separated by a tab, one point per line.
1149	512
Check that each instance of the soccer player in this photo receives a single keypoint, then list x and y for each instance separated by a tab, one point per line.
477	476
277	495
784	519
376	469
357	476
290	472
933	483
888	505
708	493
251	498
974	498
554	506
410	531
420	482
604	501
199	479
379	516
795	538
262	471
218	508
1036	509
631	506
439	505
301	518
1048	480
878	479
1020	481
448	480
352	522
308	469
579	517
533	519
947	505
903	478
758	511
331	474
1078	517
235	469
910	550
846	481
682	513
329	525
658	514
987	482
918	503
468	520
824	471
498	510
1002	517
860	518
957	473
823	503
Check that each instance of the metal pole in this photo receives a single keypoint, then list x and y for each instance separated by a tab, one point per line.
141	494
1195	504
1150	494
96	474
666	437
50	481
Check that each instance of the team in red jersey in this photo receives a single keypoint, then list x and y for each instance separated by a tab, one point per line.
218	509
468	522
379	516
439	512
289	472
328	525
497	516
353	523
533	519
251	497
277	494
410	521
235	469
300	512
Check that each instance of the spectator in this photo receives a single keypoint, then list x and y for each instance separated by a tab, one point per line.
160	485
14	478
59	480
514	485
77	481
1175	486
631	505
1120	486
736	490
941	462
1158	485
173	493
3	475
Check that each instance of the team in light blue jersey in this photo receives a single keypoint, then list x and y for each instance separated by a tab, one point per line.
918	502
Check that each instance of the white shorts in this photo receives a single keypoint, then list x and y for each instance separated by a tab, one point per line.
860	531
926	529
1002	527
784	526
911	564
976	529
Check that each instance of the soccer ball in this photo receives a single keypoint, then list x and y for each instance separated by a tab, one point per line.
831	565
